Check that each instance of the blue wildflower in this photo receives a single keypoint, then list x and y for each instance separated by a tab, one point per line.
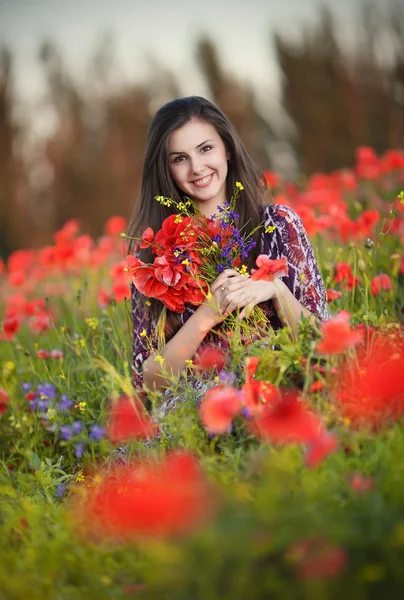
79	449
60	490
77	427
66	432
26	387
96	433
65	403
47	390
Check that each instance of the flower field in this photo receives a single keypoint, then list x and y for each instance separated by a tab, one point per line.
285	481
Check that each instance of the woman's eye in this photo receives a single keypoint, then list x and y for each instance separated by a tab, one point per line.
178	159
206	148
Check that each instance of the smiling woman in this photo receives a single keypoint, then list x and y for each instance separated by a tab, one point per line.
194	151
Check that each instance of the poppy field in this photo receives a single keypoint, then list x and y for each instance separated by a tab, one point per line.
284	479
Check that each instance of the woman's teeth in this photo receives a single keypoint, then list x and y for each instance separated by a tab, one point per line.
204	181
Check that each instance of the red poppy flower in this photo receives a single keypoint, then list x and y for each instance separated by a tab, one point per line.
317	558
11	325
104	298
251	366
4	399
160	499
333	295
343	273
41	322
360	483
121	289
43	354
272	179
370	390
257	396
68	232
318	385
337	335
16	278
379	283
211	358
218	408
268	269
128	419
146	238
288	420
320	448
115	225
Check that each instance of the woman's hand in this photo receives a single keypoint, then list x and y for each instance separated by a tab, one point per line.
231	291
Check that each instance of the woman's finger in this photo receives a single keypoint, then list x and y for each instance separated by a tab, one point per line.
234	285
221	280
247	309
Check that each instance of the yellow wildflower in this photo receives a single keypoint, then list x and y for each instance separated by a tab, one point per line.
239	185
80	477
189	363
159	359
92	322
51	412
178	219
185	262
143	333
82	406
270	228
243	270
181	206
148	303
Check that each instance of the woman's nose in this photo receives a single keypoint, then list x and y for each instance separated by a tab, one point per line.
197	166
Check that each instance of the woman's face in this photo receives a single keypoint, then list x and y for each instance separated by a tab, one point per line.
198	164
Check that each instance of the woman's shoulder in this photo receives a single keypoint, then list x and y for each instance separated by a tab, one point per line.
280	213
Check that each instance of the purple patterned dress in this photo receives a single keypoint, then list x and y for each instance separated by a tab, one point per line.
287	240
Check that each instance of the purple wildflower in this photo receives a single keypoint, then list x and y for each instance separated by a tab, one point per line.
66	432
79	449
60	490
65	403
26	387
226	377
77	427
96	433
47	390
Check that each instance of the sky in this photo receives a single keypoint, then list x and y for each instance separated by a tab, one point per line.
163	29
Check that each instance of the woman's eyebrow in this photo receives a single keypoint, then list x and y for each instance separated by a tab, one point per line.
198	146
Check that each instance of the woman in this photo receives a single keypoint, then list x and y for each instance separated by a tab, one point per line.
193	150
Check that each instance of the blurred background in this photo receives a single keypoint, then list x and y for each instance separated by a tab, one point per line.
305	83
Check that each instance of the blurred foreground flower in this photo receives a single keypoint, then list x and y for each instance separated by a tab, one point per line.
288	420
211	358
370	389
129	420
219	407
337	335
162	498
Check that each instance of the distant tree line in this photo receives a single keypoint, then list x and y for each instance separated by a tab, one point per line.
90	167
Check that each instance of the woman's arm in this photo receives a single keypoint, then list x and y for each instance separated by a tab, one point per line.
182	347
228	292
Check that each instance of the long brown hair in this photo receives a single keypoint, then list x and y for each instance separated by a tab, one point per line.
157	180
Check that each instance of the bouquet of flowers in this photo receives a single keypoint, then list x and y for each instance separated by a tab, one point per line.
190	251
